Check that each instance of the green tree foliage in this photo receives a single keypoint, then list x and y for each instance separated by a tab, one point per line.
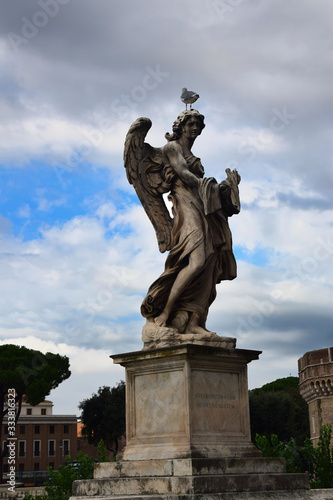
316	461
278	408
272	447
30	373
320	459
101	452
59	486
103	416
60	483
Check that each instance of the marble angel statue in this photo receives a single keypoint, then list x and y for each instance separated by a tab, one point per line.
197	237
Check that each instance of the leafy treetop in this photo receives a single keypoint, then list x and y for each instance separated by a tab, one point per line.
29	373
103	416
278	408
281	384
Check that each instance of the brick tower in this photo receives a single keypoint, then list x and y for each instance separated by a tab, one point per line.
315	371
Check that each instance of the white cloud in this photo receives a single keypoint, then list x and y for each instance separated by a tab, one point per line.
76	283
5	225
67	99
24	211
93	366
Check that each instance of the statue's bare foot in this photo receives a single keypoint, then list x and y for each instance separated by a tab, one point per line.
198	330
179	321
161	319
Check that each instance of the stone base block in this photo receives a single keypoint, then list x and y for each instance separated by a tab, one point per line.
259	495
189	467
185	485
190	478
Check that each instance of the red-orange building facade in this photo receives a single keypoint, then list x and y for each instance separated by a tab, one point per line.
42	439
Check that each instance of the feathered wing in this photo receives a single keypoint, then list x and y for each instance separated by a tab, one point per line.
146	171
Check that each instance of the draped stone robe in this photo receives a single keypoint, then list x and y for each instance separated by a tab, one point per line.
200	216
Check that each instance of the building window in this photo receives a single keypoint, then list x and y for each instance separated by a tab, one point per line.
6	429
51	448
43	411
51	464
22	429
21	449
36	466
21	467
66	447
66	429
37	429
5	468
5	448
37	448
29	411
51	429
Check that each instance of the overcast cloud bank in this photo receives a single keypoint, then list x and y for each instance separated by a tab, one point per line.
77	251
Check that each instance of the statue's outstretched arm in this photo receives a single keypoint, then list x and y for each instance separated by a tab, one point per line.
230	192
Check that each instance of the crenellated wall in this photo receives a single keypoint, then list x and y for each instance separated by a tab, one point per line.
315	370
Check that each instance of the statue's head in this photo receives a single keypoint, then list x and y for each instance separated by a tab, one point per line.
178	125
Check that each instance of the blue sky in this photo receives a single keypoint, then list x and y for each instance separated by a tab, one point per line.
40	196
77	251
38	201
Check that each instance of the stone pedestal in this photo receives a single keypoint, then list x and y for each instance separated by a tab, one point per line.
188	433
187	401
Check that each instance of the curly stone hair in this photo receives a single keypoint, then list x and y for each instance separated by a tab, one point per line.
179	123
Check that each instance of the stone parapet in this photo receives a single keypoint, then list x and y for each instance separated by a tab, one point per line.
315	370
20	493
319	388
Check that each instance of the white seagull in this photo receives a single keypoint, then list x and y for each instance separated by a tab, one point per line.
188	97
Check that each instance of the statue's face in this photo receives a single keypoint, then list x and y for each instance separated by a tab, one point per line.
192	128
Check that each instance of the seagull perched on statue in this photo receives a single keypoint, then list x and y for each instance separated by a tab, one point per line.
189	97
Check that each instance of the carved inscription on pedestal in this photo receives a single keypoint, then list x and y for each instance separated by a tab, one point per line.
215	403
211	400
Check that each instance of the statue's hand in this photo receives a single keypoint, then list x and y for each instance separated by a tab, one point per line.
233	176
232	181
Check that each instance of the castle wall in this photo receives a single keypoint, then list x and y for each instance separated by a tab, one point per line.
315	370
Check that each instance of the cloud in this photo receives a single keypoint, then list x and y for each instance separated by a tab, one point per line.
305	202
91	366
86	280
24	211
78	253
5	225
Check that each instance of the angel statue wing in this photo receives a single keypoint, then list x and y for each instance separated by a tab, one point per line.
150	177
